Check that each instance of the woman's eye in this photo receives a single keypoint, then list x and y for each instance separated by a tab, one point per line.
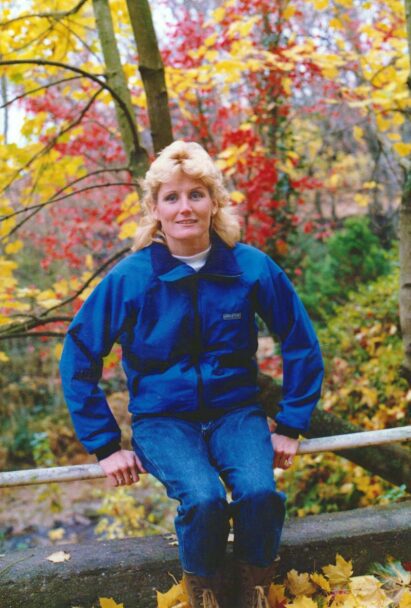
171	197
196	194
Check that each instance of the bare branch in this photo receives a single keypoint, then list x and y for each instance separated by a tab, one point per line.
36	334
52	142
52	15
72	183
96	79
44	86
55	199
19	330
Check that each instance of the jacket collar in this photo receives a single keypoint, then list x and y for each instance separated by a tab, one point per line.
221	262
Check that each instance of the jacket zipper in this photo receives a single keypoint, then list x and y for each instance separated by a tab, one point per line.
197	347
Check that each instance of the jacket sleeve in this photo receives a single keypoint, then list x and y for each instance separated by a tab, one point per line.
282	310
89	338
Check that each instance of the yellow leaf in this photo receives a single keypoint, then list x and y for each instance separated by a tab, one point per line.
345	600
58	557
13	247
361	199
3	357
219	14
299	584
237	196
358	133
276	594
289	12
89	261
405	601
367	589
320	5
58	349
382	123
210	40
321	581
402	149
243	27
340	573
336	24
177	594
108	602
56	533
303	602
128	230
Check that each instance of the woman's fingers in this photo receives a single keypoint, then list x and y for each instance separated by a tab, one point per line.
285	449
122	468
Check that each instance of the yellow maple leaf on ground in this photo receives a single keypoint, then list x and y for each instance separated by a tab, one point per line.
176	596
321	581
339	574
344	599
276	595
405	601
367	589
299	584
303	602
108	602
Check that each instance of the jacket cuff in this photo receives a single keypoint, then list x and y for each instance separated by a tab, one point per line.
107	450
288	431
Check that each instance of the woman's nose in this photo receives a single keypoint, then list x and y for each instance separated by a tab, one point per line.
185	205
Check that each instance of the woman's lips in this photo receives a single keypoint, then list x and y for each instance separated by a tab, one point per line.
187	222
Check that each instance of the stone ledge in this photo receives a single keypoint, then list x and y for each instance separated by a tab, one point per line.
131	570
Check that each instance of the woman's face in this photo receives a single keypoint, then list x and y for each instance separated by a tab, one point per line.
184	208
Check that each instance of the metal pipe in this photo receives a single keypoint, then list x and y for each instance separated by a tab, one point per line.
306	446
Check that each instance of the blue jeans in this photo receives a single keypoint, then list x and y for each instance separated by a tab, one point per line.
192	460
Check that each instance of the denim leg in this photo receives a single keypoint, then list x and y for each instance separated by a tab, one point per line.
176	453
241	449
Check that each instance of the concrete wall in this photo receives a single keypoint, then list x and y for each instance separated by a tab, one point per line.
131	570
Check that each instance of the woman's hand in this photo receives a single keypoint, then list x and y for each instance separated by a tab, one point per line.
122	468
285	448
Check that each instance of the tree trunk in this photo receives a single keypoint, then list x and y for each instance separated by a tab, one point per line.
6	109
391	462
152	72
405	242
136	154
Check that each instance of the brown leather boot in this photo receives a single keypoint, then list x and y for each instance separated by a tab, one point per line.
202	591
253	584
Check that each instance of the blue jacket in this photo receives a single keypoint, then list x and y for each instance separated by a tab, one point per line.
188	340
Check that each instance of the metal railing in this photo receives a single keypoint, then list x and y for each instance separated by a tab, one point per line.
306	446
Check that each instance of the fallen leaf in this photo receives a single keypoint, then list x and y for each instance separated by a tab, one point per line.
303	602
56	534
405	601
276	596
108	602
367	589
321	581
176	595
58	557
339	574
299	584
344	599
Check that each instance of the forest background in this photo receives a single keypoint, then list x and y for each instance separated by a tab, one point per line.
305	105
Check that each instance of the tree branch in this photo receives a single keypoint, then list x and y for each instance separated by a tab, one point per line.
44	62
50	145
52	15
18	330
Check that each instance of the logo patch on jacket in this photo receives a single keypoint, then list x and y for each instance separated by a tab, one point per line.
229	316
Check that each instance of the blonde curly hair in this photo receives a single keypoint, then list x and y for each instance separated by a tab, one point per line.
193	160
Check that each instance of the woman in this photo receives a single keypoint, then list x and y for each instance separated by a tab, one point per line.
183	308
